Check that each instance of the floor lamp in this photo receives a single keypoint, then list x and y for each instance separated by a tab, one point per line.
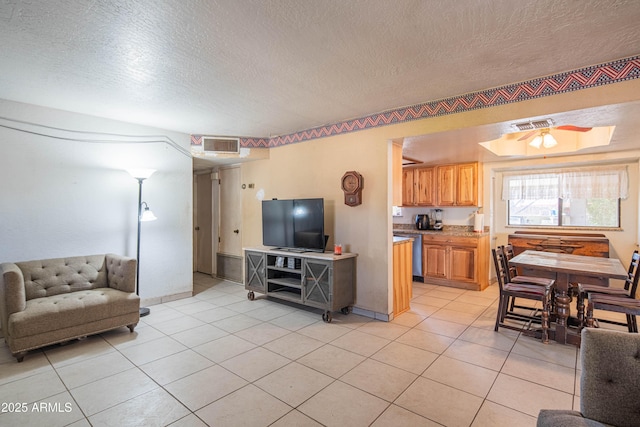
143	215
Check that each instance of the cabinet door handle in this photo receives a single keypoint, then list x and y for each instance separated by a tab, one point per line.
236	231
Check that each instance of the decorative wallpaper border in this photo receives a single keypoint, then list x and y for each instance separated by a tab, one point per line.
584	78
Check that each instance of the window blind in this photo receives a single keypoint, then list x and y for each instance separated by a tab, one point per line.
593	182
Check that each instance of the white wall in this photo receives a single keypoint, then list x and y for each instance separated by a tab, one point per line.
64	192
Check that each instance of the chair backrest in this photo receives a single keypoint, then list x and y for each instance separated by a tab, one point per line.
633	274
508	253
499	263
633	270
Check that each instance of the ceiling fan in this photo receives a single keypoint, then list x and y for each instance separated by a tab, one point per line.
544	137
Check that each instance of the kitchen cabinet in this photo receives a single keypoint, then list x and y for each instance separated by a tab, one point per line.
408	186
446	188
402	274
418	186
321	280
444	185
458	185
396	171
435	261
457	261
467	187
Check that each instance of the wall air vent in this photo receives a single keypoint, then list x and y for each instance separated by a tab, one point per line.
215	144
533	125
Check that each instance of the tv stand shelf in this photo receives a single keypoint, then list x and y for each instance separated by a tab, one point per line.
315	279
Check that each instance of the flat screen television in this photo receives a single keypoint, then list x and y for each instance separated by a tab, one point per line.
294	224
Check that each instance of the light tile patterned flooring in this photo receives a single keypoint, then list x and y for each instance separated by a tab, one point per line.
219	359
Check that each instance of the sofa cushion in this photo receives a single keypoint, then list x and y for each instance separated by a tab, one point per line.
565	418
56	276
65	310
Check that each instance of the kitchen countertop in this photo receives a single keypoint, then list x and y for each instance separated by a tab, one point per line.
448	230
398	240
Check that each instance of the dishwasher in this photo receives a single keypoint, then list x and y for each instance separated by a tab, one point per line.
417	255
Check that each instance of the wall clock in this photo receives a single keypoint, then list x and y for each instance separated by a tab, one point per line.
352	183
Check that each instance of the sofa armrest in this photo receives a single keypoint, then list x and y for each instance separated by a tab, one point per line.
12	293
121	272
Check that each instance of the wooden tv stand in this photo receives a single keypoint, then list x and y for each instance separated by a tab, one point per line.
315	279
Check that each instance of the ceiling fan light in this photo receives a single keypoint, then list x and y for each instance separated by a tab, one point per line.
536	142
548	141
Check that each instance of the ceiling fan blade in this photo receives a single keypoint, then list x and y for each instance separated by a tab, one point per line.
573	128
528	135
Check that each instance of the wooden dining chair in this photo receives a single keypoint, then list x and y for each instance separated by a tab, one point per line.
514	277
529	291
628	304
584	289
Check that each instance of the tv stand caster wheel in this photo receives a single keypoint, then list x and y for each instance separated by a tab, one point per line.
326	316
345	310
251	296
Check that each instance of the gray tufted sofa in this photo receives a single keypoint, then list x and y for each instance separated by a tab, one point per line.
55	300
609	384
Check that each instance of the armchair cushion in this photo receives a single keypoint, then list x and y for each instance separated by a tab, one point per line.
565	418
609	384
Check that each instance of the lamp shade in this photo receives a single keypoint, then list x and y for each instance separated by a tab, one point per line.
141	173
548	141
147	214
536	142
545	139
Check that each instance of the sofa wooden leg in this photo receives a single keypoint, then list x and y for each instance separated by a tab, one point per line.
132	327
20	356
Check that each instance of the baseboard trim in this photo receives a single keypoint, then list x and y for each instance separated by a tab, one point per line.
372	314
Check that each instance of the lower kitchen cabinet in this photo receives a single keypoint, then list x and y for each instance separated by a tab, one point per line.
435	261
402	275
320	280
457	261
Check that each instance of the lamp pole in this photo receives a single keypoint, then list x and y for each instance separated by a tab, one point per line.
140	175
138	248
144	311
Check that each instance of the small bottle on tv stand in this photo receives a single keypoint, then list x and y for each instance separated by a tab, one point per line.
337	249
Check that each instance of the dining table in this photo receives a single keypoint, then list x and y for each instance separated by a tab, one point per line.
568	270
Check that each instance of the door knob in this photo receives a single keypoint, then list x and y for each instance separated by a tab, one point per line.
197	228
236	231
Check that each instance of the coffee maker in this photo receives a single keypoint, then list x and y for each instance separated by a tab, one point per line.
437	215
422	222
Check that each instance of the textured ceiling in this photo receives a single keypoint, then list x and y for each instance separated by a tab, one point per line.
265	68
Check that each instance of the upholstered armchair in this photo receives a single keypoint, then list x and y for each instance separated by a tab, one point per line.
610	383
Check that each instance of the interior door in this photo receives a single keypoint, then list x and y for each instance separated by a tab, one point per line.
203	241
230	212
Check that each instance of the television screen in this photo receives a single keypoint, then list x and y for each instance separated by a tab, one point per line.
293	224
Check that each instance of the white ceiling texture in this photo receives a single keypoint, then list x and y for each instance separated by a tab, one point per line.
260	68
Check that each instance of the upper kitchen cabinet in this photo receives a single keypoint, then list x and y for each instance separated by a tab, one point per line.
408	187
446	188
396	170
418	186
458	185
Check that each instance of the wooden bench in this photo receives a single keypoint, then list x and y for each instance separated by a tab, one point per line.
569	243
